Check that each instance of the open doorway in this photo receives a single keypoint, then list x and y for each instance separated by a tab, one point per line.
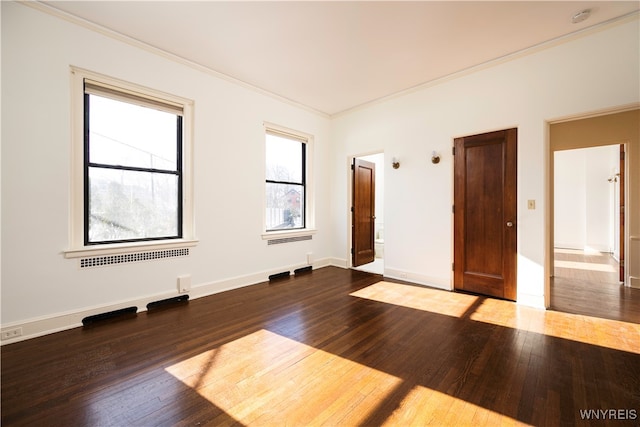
591	160
588	222
587	203
373	262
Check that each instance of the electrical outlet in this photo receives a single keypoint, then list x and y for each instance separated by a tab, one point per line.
184	283
8	334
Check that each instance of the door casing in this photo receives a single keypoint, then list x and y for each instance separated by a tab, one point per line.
363	212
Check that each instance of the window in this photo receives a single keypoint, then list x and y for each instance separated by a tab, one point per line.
287	195
131	180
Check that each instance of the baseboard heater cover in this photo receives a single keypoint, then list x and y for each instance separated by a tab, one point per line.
302	270
288	239
110	315
99	261
167	302
279	275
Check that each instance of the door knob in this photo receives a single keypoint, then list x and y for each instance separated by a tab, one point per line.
509	224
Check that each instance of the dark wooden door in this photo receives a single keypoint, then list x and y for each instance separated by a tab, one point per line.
485	214
363	210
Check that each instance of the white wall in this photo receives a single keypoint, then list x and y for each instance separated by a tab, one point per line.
591	73
41	290
584	198
570	199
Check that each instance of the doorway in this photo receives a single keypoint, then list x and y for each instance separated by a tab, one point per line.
367	213
591	275
588	243
589	201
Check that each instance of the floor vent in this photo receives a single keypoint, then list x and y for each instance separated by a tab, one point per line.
99	261
288	240
277	276
302	270
166	303
123	313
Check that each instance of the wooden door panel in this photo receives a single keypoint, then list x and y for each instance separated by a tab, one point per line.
485	214
483	240
484	285
363	222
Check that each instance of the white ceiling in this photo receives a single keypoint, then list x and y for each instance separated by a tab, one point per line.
333	56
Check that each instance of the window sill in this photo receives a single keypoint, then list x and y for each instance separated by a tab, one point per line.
124	248
281	234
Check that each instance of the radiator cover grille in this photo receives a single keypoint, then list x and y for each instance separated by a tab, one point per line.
100	261
287	240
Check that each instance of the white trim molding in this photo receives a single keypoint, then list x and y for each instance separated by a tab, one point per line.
419	279
77	247
44	325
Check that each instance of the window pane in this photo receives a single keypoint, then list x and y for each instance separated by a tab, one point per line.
284	159
124	134
285	206
127	205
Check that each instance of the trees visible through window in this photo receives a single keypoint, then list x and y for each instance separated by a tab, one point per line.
285	183
133	167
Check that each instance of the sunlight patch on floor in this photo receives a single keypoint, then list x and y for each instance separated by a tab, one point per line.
417	297
264	378
589	266
575	327
444	410
267	379
586	251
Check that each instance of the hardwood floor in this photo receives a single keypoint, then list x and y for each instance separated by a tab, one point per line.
588	283
333	347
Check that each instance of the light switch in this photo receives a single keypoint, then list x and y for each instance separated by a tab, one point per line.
531	204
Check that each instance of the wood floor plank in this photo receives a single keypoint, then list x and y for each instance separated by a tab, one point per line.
334	347
588	283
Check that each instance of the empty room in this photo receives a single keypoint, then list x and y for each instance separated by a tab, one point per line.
320	213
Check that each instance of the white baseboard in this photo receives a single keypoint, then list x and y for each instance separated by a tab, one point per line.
338	262
36	327
419	279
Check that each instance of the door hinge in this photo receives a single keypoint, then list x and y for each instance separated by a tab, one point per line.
453	267
453	208
621	263
622	155
453	150
353	166
351	251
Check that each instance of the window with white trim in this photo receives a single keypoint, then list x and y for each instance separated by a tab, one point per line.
131	180
287	192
